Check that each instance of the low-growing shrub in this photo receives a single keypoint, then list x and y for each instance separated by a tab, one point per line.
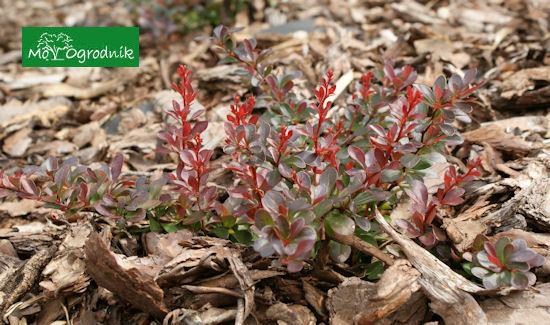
304	174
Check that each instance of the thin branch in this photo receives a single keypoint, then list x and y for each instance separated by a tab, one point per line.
362	246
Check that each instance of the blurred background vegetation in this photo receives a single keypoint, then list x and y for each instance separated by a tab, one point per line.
164	18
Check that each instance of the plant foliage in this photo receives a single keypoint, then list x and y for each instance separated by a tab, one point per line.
506	263
164	17
303	171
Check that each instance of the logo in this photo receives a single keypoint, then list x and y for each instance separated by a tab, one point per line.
51	44
80	47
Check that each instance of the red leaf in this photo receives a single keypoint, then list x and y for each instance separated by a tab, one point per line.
357	155
116	166
453	197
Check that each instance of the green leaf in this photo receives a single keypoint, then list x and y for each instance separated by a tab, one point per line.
467	266
285	109
154	225
363	198
52	206
322	207
391	175
228	221
369	239
339	252
221	232
228	60
328	177
422	164
294	161
170	227
340	224
374	270
267	70
409	160
243	236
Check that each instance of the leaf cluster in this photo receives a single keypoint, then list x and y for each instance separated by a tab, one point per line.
72	188
505	263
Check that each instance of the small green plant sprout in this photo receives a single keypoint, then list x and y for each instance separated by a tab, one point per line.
506	263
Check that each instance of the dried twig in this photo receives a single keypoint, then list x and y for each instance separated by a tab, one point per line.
201	289
362	246
447	290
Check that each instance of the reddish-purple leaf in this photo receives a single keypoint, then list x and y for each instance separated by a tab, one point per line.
525	255
406	225
357	155
296	227
469	76
116	166
105	211
418	192
29	186
199	127
453	197
61	176
378	130
272	200
489	248
427	239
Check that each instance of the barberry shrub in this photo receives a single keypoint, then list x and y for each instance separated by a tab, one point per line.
303	173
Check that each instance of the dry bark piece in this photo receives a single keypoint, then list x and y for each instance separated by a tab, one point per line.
65	90
199	255
16	112
65	273
165	245
519	88
447	290
6	249
15	282
361	302
246	283
414	11
315	298
55	309
210	316
201	289
530	205
496	136
11	56
16	144
8	262
291	314
90	133
129	283
131	119
29	243
534	123
412	312
28	80
230	281
19	208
